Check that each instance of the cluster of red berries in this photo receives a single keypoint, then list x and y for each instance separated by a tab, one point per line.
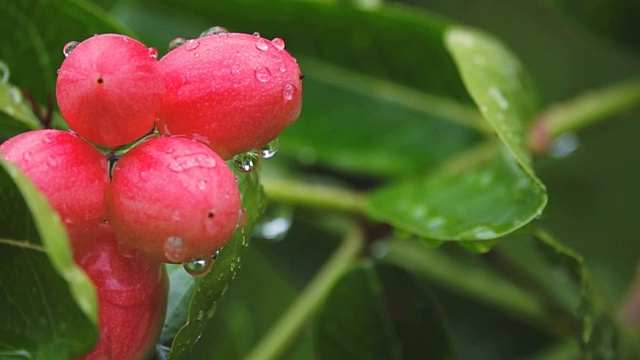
171	197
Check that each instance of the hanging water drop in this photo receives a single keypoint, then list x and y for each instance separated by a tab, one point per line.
278	43
176	43
262	44
248	161
262	74
216	30
153	53
269	150
198	266
4	73
287	91
174	248
275	223
68	47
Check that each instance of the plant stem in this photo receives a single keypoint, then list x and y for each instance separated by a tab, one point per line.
582	111
319	196
275	342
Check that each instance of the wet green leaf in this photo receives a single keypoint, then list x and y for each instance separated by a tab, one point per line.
483	202
15	114
48	309
209	288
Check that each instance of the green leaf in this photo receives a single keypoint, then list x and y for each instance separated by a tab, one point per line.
211	287
377	101
380	313
48	309
483	202
34	53
600	337
15	114
498	84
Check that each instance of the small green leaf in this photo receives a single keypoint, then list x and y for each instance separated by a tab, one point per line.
49	308
379	313
483	202
215	284
600	338
16	115
498	84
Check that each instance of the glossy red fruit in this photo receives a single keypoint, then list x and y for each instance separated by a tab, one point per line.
173	199
109	89
71	173
236	92
132	298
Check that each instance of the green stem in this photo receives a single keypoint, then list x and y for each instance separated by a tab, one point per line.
318	196
289	325
582	111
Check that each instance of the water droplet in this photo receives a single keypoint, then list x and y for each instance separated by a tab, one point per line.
153	53
247	161
287	91
275	223
262	44
211	312
196	54
235	69
256	34
202	184
68	47
269	150
186	162
198	266
46	140
200	315
191	44
564	145
242	218
283	68
216	30
52	162
4	73
26	156
278	43
174	249
126	250
262	74
176	42
225	289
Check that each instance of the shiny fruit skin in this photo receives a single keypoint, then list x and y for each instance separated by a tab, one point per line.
235	92
132	298
109	89
173	199
72	174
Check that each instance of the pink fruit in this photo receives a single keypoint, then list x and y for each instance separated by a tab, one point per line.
109	89
173	199
236	92
71	173
132	298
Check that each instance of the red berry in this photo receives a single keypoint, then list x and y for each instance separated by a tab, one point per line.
109	89
71	173
132	298
236	92
173	199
